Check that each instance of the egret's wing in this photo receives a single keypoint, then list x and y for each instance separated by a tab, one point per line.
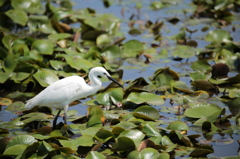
60	92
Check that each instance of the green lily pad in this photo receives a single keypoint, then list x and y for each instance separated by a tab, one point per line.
184	51
123	144
201	66
59	36
16	106
126	125
104	135
132	48
110	96
156	5
112	52
15	150
177	125
134	134
57	65
202	151
234	93
146	113
21	140
103	40
145	97
149	153
40	23
45	77
151	130
18	16
69	143
200	110
95	155
44	47
78	62
218	36
10	63
201	76
19	76
181	85
28	6
5	76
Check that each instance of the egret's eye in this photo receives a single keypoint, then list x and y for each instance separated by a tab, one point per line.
99	76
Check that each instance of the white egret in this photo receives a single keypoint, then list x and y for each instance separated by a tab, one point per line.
61	93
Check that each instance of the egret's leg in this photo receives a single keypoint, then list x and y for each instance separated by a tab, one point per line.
65	114
55	119
65	117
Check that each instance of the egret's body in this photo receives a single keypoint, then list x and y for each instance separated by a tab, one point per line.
60	94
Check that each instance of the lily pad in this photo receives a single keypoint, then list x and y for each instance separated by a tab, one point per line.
146	113
145	97
18	16
132	48
123	144
95	155
218	36
44	47
45	77
16	106
200	110
21	140
177	125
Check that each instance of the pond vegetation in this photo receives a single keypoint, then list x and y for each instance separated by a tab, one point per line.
183	102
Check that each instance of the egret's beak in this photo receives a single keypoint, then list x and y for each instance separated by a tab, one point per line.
112	79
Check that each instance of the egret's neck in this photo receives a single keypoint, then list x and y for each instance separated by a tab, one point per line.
96	83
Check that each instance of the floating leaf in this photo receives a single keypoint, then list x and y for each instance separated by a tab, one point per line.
15	150
151	130
202	151
21	140
201	66
205	85
45	77
110	96
180	85
78	62
149	152
134	134
123	144
132	48
16	107
57	65
218	36
5	101
164	77
28	5
145	97
234	106
156	5
95	155
10	63
146	113
183	51
112	52
18	16
44	47
200	110
103	40
177	125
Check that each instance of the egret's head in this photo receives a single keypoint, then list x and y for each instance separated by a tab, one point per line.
100	71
